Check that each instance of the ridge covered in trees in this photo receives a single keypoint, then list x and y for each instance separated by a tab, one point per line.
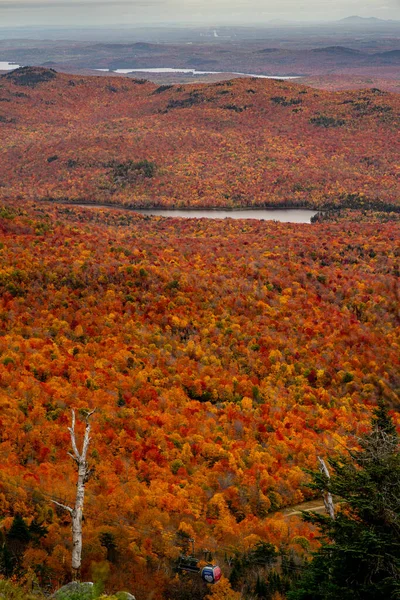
239	143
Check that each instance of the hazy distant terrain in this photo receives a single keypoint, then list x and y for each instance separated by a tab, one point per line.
350	48
353	30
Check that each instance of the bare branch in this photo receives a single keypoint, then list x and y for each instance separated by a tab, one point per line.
73	439
73	457
68	508
89	415
86	439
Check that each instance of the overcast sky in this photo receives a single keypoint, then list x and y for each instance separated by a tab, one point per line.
113	12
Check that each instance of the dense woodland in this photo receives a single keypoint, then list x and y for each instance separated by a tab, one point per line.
221	357
246	142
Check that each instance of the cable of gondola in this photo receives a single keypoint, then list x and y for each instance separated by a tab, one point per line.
189	563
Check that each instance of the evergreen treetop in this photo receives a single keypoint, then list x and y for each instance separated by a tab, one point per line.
360	554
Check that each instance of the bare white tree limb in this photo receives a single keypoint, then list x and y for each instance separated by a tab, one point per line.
68	508
327	496
73	457
73	439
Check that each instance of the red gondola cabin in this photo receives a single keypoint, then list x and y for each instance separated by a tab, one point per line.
211	574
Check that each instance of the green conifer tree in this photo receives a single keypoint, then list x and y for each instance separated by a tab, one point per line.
360	554
37	531
19	530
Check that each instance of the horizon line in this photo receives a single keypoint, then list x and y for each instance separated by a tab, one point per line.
271	22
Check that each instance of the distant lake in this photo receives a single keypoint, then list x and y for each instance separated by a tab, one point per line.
193	72
6	66
283	215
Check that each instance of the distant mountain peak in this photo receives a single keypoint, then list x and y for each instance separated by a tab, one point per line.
357	19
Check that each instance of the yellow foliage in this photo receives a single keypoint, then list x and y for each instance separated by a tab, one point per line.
186	528
223	591
247	403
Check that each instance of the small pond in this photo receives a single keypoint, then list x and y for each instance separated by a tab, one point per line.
283	215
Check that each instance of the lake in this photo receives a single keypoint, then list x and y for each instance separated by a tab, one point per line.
6	66
283	215
193	72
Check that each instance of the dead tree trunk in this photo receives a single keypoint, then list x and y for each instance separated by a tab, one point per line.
77	512
327	496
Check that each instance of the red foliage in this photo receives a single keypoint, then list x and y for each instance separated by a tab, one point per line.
238	143
221	356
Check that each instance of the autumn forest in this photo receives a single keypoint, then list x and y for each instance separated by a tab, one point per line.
239	143
222	356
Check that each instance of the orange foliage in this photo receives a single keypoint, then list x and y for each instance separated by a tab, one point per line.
221	356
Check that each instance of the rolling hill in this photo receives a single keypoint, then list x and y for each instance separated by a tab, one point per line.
246	142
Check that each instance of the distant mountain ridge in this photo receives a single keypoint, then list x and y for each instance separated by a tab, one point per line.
364	20
337	50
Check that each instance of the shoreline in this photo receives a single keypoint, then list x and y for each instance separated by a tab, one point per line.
84	204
